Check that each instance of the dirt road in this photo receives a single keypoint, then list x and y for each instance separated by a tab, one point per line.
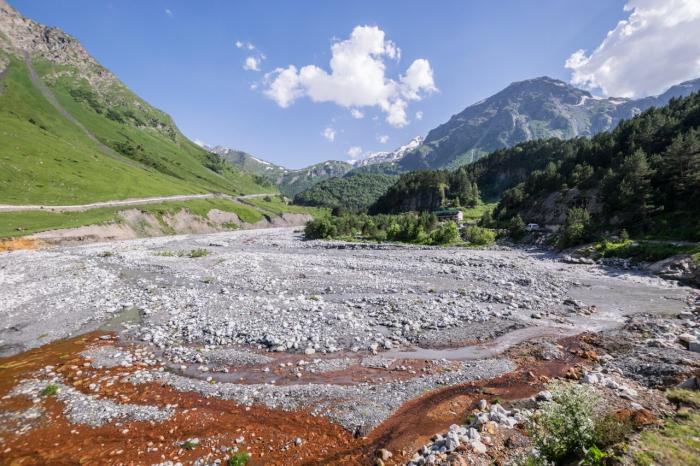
123	202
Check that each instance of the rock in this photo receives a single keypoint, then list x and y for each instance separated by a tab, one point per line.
544	395
478	447
384	454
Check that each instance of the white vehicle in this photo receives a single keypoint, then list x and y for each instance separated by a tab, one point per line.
533	226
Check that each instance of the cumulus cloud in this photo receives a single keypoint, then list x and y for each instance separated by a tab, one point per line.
355	152
357	114
252	64
357	78
657	46
419	115
383	139
329	133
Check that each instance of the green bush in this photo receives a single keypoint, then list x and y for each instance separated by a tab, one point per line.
565	428
198	253
320	228
445	233
238	459
479	236
516	228
576	228
49	390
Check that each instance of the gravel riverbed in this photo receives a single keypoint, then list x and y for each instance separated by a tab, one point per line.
254	296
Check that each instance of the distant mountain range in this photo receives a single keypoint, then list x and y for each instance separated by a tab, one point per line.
293	181
390	157
527	110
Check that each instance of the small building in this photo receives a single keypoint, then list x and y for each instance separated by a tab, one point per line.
444	215
533	227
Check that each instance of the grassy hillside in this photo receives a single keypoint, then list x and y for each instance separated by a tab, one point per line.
132	128
354	192
47	159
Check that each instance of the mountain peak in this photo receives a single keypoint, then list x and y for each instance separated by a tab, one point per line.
390	156
536	108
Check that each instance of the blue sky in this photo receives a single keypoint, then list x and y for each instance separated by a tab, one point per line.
181	56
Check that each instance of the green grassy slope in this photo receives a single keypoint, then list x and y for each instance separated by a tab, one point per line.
48	159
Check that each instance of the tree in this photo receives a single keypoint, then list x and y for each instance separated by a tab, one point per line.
576	228
486	220
516	230
681	170
479	236
445	233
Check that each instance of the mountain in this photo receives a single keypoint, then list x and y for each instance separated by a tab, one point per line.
643	176
288	181
353	191
296	181
248	162
73	133
527	110
390	157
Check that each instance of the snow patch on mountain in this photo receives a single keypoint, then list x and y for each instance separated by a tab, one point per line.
393	156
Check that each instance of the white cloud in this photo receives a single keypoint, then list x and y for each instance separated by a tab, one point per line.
357	78
329	133
656	47
357	114
284	89
244	45
383	139
419	115
169	13
252	64
200	143
355	152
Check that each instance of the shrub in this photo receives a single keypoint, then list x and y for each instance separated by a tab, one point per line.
198	253
516	228
624	235
49	390
320	228
486	220
611	429
564	428
480	236
576	228
238	459
445	233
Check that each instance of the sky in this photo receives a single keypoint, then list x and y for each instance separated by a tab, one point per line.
300	82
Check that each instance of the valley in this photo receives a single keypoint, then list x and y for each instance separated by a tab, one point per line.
518	287
264	322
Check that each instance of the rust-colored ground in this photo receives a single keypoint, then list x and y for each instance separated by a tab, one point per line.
13	244
269	434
